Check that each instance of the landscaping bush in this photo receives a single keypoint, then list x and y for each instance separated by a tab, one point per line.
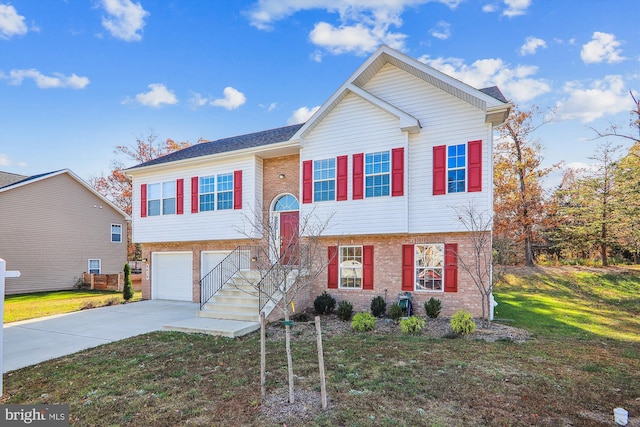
363	322
127	291
433	307
462	323
412	325
395	311
378	306
324	303
345	311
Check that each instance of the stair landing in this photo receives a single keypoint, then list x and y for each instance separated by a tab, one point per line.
218	327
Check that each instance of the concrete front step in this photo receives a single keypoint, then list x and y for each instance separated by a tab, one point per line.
226	299
239	307
221	313
219	327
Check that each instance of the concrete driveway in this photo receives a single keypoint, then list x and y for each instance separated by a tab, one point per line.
33	341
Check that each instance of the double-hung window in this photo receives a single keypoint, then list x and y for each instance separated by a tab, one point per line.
116	233
94	266
225	191
324	180
429	262
350	267
161	198
207	193
377	174
456	168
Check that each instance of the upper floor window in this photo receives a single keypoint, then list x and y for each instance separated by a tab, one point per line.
350	266
324	180
456	168
429	262
225	191
377	172
116	233
207	193
94	266
161	198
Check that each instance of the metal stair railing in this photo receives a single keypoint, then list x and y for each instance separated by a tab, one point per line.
272	281
241	258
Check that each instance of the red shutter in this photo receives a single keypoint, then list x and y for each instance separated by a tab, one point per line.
179	196
397	172
475	165
343	175
358	176
143	200
194	194
408	268
332	268
367	268
237	189
439	170
307	181
451	267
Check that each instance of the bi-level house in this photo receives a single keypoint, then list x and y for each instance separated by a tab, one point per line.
389	157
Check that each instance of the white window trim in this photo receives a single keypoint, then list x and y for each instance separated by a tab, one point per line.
416	266
334	179
113	241
99	265
340	266
373	174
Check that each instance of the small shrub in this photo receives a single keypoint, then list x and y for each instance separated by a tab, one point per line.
324	303
462	323
378	306
433	307
127	291
345	311
395	311
78	282
363	322
412	325
87	305
113	301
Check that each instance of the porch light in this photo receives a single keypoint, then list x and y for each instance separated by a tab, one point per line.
281	176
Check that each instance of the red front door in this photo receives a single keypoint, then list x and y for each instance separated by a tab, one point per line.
289	237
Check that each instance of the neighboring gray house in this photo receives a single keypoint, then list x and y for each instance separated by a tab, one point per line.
54	227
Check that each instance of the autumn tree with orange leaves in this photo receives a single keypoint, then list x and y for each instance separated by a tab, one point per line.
117	185
519	202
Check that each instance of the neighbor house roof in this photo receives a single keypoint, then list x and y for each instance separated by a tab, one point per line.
35	178
233	143
8	178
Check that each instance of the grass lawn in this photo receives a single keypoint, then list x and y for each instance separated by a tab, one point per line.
583	361
40	304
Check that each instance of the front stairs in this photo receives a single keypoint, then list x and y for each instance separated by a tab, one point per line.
231	312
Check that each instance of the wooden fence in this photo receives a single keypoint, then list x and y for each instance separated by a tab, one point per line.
110	282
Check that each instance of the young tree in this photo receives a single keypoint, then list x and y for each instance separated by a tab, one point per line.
519	203
480	266
127	290
294	262
627	181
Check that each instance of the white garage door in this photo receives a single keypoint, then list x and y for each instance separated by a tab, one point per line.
172	276
210	259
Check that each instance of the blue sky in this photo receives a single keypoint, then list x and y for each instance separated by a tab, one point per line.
79	77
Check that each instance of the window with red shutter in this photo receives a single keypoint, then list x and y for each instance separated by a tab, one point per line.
342	175
179	196
143	200
367	267
358	176
237	189
451	267
307	181
397	172
332	267
439	170
194	194
408	270
475	166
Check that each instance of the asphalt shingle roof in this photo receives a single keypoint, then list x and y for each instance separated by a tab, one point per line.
494	92
224	145
29	178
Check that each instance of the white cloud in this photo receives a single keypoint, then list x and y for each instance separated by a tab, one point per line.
602	47
517	83
56	80
125	19
441	31
516	7
233	99
6	161
157	95
603	97
531	45
362	24
302	114
488	8
11	24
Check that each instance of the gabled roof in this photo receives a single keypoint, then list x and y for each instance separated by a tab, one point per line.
7	178
234	143
489	100
47	175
